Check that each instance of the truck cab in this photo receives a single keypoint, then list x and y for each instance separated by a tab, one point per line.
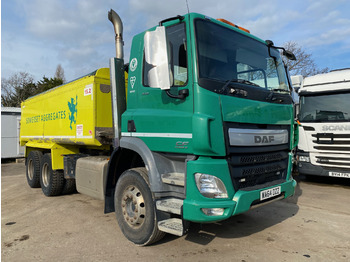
324	126
209	111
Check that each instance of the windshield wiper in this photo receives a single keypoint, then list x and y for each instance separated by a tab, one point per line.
241	81
280	90
272	98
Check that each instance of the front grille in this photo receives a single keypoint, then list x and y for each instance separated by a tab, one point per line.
333	161
331	142
329	150
332	148
252	170
262	170
254	180
253	159
258	158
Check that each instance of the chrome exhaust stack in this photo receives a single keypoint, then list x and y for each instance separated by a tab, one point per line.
118	29
117	75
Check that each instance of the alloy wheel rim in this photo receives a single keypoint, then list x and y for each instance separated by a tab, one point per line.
133	207
30	169
46	175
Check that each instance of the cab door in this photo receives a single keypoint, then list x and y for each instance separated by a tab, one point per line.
161	120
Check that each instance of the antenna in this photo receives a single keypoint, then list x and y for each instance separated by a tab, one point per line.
188	9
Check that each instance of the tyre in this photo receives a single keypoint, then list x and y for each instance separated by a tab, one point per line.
135	208
33	168
51	181
69	186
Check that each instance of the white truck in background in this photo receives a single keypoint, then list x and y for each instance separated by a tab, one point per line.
324	124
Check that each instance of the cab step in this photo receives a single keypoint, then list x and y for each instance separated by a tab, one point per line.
172	226
177	179
170	205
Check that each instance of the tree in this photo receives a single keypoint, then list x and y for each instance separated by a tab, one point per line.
60	73
21	86
304	65
47	83
16	89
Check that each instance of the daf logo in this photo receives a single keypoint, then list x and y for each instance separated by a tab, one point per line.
336	128
257	137
263	139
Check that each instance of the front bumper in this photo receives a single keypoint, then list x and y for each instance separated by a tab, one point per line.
307	168
238	202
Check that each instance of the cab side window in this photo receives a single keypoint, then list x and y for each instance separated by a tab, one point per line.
177	53
177	56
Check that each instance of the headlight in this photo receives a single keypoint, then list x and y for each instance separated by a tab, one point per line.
210	186
304	159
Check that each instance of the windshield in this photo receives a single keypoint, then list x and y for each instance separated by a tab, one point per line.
227	56
325	108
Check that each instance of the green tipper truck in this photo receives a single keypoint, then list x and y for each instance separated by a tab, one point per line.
204	130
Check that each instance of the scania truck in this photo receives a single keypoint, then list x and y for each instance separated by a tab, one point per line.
203	131
324	146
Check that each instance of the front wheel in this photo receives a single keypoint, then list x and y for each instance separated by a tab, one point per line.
135	209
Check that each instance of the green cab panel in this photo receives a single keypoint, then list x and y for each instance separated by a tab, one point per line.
249	111
208	131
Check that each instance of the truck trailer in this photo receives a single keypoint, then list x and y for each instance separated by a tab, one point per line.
203	131
324	117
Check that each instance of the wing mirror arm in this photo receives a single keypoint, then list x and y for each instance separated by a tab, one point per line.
285	52
183	93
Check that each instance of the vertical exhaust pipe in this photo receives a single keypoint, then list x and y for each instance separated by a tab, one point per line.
118	95
118	29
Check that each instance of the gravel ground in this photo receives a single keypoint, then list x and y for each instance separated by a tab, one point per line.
311	226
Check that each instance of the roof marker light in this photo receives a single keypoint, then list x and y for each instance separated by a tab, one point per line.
232	24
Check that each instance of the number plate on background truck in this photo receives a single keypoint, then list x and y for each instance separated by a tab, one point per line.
268	193
338	174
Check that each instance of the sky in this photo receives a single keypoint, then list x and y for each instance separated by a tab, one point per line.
37	35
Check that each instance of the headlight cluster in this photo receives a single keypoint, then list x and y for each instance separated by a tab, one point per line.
304	159
210	186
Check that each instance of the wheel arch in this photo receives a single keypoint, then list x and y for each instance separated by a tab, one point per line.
29	149
132	153
57	151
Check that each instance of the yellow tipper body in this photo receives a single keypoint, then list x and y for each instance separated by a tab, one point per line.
76	114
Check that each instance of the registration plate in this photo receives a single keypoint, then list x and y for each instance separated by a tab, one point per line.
268	193
339	174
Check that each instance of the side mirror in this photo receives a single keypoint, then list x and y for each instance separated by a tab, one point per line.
156	55
289	55
285	52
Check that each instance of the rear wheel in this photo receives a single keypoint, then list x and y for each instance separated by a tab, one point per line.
33	168
51	181
135	209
